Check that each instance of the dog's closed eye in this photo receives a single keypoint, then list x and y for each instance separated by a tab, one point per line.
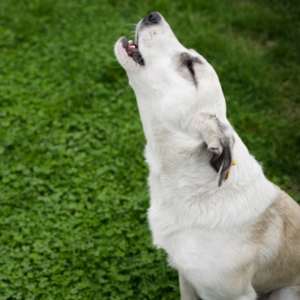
187	62
190	67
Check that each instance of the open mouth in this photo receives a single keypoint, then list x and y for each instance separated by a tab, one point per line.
132	51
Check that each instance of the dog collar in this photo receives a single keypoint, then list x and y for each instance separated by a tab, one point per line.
227	175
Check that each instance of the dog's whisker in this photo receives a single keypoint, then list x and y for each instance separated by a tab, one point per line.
130	24
114	67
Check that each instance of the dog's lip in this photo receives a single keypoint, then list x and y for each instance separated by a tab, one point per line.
132	50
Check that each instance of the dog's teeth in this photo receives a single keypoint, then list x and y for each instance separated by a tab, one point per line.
130	42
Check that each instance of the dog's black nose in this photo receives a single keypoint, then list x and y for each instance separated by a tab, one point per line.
152	18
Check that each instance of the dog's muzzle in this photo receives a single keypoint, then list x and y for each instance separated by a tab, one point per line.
130	47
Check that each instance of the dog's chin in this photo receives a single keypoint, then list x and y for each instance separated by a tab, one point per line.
132	51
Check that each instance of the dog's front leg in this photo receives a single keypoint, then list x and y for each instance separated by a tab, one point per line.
187	291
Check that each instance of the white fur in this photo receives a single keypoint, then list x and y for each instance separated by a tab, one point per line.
199	224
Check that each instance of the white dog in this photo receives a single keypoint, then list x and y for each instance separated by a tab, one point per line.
230	239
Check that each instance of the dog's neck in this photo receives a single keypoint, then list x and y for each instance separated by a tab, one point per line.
184	183
170	151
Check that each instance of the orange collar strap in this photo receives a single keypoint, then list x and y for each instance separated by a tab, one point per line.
233	163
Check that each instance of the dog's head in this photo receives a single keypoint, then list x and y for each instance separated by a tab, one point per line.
173	84
159	67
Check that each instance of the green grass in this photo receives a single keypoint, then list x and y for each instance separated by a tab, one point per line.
73	188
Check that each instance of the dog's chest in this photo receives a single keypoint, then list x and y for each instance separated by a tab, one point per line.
197	232
177	205
184	225
209	253
204	250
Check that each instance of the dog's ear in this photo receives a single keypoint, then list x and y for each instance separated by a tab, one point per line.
219	139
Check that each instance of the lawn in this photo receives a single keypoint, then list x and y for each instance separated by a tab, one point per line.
73	181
